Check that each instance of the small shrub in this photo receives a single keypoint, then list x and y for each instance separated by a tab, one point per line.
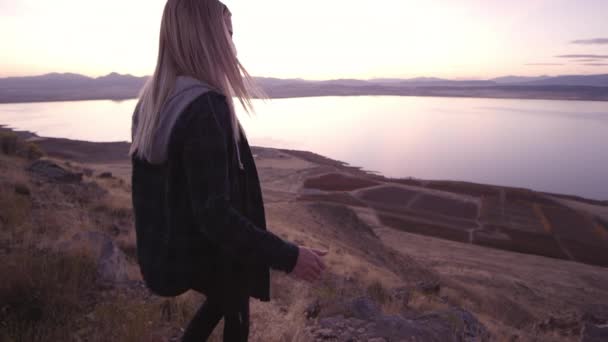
33	151
178	310
377	291
15	208
8	142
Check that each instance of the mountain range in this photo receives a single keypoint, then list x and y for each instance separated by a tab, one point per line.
114	86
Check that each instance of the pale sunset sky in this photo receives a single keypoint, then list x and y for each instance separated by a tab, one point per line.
321	39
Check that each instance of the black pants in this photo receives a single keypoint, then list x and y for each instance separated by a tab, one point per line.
236	321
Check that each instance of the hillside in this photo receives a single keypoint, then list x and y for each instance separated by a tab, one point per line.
394	272
71	87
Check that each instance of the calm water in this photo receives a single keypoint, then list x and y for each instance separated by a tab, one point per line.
556	146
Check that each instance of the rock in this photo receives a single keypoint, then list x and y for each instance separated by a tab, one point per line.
326	333
429	287
401	295
105	175
115	229
346	336
596	314
468	328
312	311
53	172
376	339
366	322
594	333
331	321
364	308
112	263
565	326
355	322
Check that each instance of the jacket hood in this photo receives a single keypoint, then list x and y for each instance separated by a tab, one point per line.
185	91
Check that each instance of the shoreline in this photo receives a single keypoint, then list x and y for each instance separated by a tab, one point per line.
279	97
115	152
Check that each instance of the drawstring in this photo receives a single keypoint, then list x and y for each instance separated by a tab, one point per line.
238	156
238	149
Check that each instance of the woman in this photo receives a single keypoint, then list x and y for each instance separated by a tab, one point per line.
199	215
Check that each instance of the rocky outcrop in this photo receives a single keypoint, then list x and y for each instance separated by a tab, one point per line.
49	170
363	320
112	264
595	324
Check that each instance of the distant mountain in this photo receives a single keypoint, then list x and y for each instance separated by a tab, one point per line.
68	87
573	80
517	79
438	82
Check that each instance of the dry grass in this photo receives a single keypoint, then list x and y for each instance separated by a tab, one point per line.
121	321
45	294
14	216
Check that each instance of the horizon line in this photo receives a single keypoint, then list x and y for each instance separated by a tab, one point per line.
318	80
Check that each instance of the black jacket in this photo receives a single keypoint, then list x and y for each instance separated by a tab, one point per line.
199	217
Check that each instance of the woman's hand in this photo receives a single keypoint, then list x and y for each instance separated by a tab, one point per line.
309	265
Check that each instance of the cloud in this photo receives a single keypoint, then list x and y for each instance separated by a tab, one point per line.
596	64
584	56
591	41
543	64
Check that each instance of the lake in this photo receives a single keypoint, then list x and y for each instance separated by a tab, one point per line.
545	145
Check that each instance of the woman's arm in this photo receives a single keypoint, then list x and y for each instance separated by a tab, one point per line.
205	159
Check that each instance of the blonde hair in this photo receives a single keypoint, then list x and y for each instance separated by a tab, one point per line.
194	41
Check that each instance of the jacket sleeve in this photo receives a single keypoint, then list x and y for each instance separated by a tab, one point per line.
205	160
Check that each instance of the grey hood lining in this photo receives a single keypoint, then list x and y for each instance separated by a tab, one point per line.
185	91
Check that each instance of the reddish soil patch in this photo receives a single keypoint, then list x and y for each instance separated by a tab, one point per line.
569	224
522	216
471	189
446	206
335	197
427	216
337	182
522	242
516	215
491	211
603	224
391	196
587	253
415	227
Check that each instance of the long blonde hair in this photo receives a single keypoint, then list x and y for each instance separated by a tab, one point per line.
194	41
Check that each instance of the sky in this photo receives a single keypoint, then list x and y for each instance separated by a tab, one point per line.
321	39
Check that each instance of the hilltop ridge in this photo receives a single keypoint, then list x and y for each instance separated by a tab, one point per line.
114	86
